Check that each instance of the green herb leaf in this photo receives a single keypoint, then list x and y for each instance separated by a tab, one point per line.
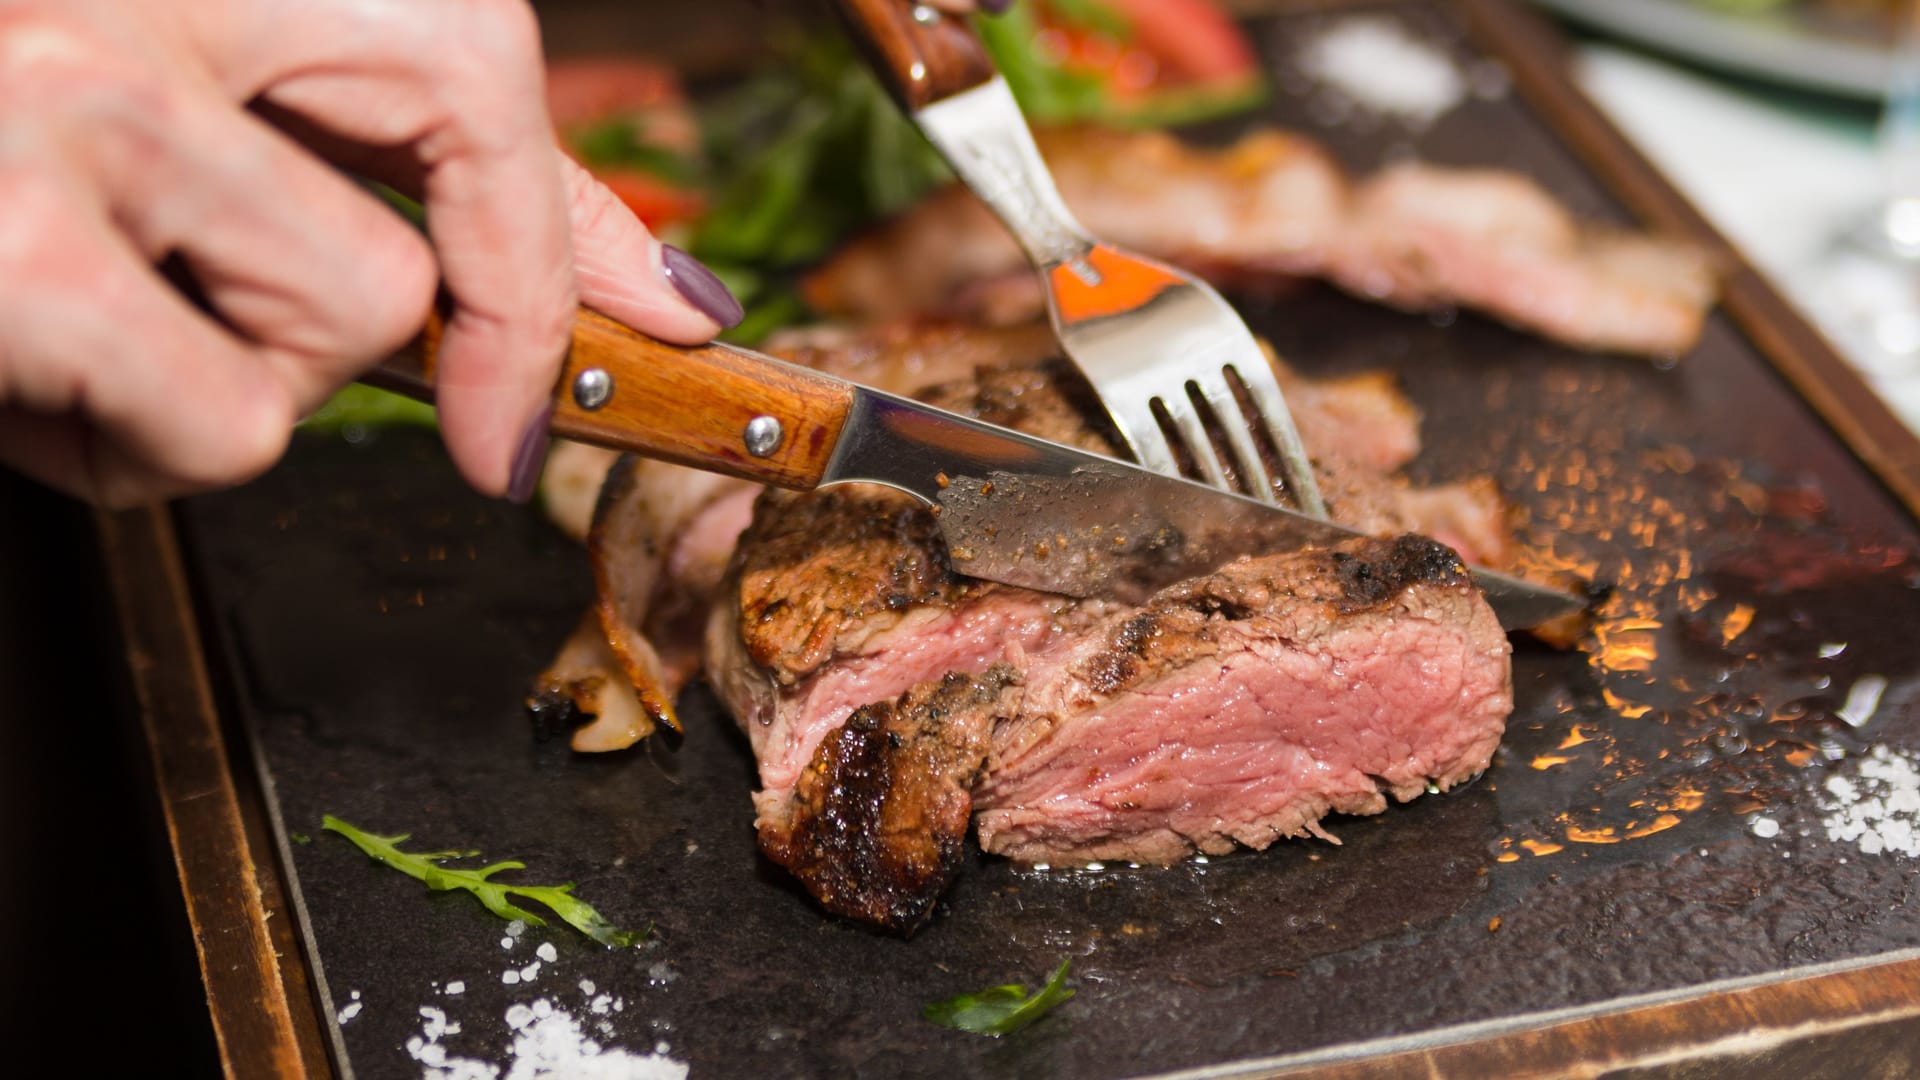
425	867
1001	1010
618	142
360	407
1050	93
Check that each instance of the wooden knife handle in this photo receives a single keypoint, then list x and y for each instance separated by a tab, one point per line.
922	54
689	405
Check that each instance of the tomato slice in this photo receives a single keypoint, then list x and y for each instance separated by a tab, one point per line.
586	90
1195	41
1176	60
655	201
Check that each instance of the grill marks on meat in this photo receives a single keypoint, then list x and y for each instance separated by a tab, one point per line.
877	824
1235	708
1243	706
1275	206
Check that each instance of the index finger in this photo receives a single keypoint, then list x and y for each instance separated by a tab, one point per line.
459	85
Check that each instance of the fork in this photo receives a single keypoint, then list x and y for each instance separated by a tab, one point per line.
1151	339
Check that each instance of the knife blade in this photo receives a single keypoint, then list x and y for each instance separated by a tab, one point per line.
1012	508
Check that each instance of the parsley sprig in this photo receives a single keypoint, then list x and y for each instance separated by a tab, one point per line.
425	866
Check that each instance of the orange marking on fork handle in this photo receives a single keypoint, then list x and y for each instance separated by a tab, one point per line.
1126	284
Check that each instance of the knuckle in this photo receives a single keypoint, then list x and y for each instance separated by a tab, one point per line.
36	236
49	61
592	210
253	443
501	36
399	284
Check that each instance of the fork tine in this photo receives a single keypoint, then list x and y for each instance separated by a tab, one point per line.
1274	416
1186	418
1239	429
1140	429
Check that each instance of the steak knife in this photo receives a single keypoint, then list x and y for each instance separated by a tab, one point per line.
1012	508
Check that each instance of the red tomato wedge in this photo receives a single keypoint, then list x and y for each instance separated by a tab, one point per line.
1195	41
588	92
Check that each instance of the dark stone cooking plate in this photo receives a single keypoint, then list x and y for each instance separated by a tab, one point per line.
379	623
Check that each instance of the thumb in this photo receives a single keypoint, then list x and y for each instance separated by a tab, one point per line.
624	272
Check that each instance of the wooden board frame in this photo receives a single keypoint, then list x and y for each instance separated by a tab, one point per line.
1858	1020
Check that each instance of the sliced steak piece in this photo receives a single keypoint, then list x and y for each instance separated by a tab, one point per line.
1379	655
1246	705
877	823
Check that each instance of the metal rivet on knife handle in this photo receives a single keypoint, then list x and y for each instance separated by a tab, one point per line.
763	436
592	388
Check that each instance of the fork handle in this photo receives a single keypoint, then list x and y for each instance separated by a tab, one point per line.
922	55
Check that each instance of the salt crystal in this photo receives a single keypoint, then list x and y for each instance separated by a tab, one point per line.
457	986
547	952
506	943
1863	699
1878	808
519	1016
516	928
1375	62
530	972
436	1024
1766	828
586	987
352	1010
510	977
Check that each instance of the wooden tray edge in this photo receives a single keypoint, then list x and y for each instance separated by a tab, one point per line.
252	961
1848	1023
257	978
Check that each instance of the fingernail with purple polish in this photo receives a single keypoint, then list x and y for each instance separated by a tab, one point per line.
700	286
528	459
995	7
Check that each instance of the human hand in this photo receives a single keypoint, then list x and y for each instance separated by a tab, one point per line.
134	132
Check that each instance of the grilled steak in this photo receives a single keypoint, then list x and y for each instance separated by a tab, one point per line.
887	698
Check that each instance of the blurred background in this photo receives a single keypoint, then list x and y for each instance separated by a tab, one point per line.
1765	112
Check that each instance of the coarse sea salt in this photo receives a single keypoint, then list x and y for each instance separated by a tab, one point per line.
548	1044
1374	62
1877	808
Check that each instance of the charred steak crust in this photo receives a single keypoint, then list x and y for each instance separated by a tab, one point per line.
1372	576
1181	621
813	565
878	820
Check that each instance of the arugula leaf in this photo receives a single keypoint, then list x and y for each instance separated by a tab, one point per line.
1001	1010
425	866
813	149
359	406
